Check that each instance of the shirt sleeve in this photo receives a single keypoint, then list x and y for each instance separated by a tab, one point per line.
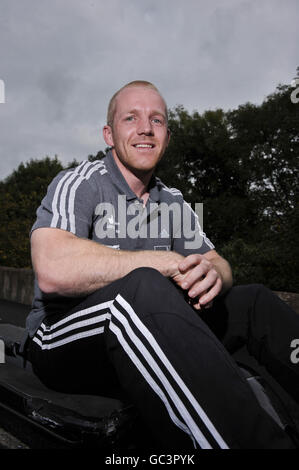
69	202
188	236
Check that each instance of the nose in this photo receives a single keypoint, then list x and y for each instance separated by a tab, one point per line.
145	127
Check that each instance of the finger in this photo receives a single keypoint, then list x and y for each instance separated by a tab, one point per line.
189	262
211	294
196	274
194	303
197	306
198	288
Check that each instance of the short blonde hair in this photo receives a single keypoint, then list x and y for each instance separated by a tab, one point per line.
135	83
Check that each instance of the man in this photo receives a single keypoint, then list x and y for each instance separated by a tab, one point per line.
118	308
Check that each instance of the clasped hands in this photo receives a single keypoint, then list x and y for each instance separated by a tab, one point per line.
200	279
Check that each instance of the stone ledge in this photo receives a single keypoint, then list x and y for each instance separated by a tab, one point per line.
16	285
291	298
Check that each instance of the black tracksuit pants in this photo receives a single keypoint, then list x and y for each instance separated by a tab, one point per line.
139	338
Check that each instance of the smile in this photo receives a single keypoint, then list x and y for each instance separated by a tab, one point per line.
144	146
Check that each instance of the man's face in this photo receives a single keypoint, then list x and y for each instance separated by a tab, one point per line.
139	133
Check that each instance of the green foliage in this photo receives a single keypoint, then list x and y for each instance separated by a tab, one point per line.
20	196
98	156
242	164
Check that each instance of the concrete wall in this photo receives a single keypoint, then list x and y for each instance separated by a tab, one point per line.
16	284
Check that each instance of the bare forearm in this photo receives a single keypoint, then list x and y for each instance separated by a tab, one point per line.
97	266
79	266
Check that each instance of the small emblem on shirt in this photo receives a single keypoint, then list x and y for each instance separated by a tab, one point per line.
164	233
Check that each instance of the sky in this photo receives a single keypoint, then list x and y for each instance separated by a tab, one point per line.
62	60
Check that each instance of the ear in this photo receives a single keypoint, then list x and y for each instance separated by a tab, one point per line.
168	135
108	137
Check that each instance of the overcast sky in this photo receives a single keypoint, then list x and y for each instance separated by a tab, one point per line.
61	60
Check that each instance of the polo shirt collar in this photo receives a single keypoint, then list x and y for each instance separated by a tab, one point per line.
119	181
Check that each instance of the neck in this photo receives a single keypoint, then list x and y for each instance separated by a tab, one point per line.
137	180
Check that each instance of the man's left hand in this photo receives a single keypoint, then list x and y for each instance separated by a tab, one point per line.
200	278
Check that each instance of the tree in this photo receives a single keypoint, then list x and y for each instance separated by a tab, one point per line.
203	162
20	195
268	140
243	166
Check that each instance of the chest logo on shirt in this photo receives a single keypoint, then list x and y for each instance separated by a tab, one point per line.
112	224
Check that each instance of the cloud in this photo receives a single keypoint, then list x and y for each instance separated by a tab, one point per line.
61	61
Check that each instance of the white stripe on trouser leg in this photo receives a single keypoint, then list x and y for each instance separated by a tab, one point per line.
75	326
41	333
127	307
44	329
69	339
148	377
195	431
78	314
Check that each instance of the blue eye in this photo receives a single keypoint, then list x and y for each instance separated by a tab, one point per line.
129	118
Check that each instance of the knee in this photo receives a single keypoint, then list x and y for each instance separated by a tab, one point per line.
256	287
251	290
148	287
147	276
260	290
245	297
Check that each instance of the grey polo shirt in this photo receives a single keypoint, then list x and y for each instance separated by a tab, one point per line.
94	201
